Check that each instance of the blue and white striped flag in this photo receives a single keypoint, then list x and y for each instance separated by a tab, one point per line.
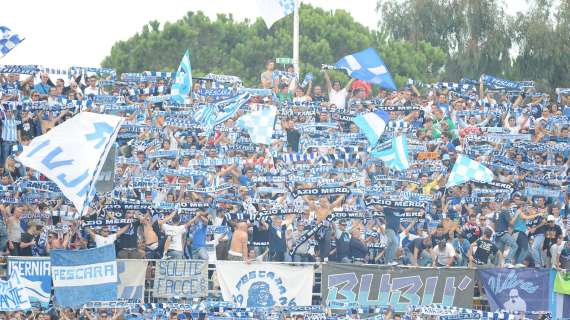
274	10
372	125
8	40
259	124
234	104
368	66
395	157
465	169
183	83
80	276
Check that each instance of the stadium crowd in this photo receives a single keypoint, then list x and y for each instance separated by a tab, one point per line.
181	192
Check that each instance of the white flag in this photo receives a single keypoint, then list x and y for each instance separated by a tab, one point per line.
273	10
73	153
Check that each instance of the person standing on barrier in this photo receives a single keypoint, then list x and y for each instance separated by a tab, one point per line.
174	246
536	228
393	226
277	238
503	238
238	246
358	249
150	238
127	243
482	250
342	241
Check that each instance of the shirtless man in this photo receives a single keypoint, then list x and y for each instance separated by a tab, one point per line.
238	247
150	238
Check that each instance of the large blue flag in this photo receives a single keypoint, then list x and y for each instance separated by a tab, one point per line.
368	66
8	40
81	276
183	82
259	124
395	157
372	124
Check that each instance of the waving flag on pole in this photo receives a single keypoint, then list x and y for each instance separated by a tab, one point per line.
395	157
73	153
368	66
183	82
273	10
8	40
372	125
259	124
465	169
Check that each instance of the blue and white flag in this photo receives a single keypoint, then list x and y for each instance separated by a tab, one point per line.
80	276
13	294
8	40
183	82
73	153
274	10
368	66
259	124
395	157
233	105
465	169
372	125
35	275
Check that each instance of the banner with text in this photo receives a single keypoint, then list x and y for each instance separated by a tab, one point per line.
260	285
13	294
346	286
519	290
35	275
181	279
81	276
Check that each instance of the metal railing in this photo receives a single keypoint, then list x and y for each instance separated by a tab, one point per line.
479	300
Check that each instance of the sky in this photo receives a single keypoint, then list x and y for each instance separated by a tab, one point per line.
68	33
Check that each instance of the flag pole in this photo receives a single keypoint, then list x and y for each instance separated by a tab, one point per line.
296	36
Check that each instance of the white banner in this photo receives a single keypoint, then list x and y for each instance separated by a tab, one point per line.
131	279
73	153
13	294
265	284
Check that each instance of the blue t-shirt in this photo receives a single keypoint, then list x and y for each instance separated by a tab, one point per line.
199	235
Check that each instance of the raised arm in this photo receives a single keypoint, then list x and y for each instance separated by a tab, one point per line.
327	81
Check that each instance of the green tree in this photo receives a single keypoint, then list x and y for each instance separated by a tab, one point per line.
226	46
473	33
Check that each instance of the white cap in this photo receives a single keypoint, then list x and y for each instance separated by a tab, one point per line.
550	218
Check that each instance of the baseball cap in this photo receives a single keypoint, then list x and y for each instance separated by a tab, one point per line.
550	218
445	157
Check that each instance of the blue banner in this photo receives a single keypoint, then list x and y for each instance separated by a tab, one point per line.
13	296
519	290
35	275
84	275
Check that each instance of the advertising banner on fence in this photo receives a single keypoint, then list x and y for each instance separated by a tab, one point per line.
516	290
346	286
131	279
265	284
80	276
35	275
181	279
13	295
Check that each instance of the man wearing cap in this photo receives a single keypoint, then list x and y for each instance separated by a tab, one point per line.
552	232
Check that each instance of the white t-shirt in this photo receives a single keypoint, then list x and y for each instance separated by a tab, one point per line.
175	233
338	98
104	241
94	91
443	256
